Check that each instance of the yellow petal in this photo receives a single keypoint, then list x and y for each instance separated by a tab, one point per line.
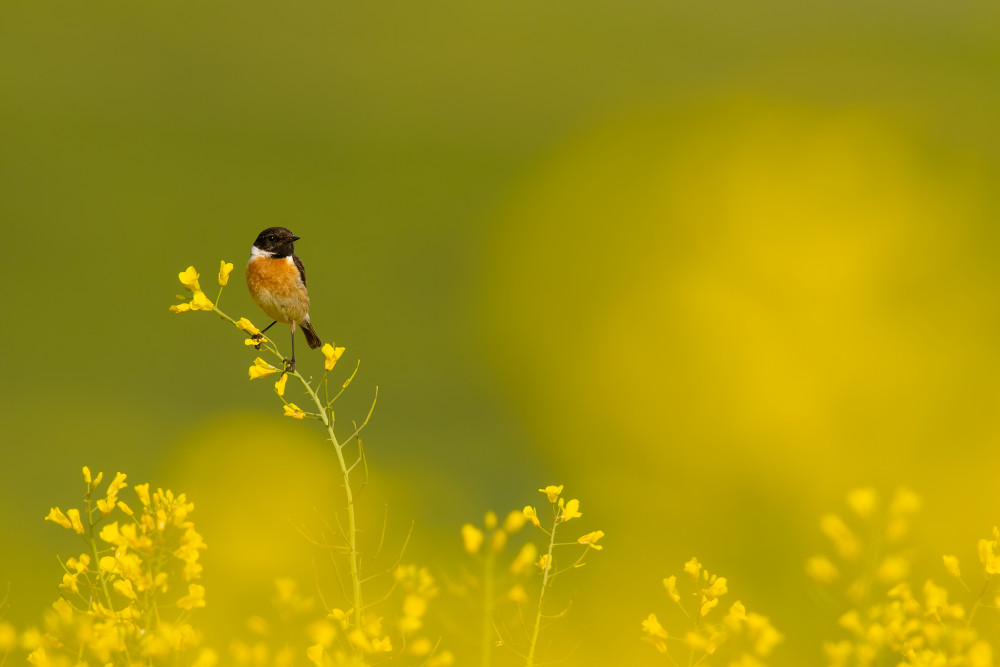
332	354
225	268
189	278
279	386
200	301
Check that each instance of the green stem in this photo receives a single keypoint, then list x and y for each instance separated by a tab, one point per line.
541	597
352	531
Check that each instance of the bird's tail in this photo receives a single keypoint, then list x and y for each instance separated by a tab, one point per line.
311	336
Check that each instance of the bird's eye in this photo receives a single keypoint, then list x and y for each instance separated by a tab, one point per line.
272	238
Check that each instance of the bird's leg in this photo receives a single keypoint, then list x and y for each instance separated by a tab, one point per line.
259	337
290	363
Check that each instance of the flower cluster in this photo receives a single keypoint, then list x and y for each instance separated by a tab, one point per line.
707	635
888	618
294	631
129	598
189	279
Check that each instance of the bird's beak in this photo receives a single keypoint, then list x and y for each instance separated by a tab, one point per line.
295	238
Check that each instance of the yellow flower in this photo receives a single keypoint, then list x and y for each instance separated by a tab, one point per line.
225	268
189	278
654	633
180	308
294	411
670	583
194	598
315	654
530	514
86	475
200	301
472	538
56	515
514	522
552	492
74	519
142	490
261	369
590	539
247	326
544	562
570	511
822	569
279	386
255	341
693	567
490	520
843	539
124	587
863	502
332	354
951	565
525	557
716	588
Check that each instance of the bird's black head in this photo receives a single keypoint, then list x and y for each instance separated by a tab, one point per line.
276	242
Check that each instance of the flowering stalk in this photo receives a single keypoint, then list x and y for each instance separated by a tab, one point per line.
563	511
546	571
323	408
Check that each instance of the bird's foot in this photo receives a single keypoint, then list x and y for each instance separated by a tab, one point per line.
290	365
259	337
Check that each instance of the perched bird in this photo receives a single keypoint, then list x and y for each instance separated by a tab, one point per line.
277	282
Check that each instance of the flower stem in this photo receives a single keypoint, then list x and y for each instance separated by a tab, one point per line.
541	597
352	532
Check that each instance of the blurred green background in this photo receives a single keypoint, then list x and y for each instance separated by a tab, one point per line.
709	265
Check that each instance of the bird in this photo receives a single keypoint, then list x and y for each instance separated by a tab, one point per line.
276	280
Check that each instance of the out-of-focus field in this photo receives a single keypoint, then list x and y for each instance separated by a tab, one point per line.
709	265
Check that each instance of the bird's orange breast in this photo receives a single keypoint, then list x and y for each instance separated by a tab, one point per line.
276	286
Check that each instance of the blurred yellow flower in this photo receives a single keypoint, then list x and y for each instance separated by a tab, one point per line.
279	386
56	515
189	278
124	587
261	369
693	568
315	654
530	514
332	354
552	492
544	562
951	566
194	598
180	308
822	569
490	520
225	268
570	511
525	557
74	519
670	583
514	522
472	538
142	490
294	411
654	633
863	502
843	539
590	539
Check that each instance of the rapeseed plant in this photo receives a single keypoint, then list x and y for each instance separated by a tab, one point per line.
887	618
704	635
129	597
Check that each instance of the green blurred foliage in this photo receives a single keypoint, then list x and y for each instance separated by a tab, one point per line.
709	265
